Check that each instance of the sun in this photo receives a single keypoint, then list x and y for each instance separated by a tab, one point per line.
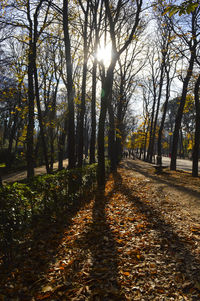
104	54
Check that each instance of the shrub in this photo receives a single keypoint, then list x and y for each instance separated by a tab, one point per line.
46	195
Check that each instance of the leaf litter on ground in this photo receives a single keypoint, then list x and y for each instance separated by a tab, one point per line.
130	242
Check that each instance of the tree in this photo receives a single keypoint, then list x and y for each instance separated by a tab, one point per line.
32	57
197	129
84	78
125	83
70	92
113	17
24	17
168	63
155	75
96	24
191	42
186	7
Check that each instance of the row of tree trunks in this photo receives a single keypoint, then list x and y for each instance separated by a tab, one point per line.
33	90
192	47
106	99
180	113
115	146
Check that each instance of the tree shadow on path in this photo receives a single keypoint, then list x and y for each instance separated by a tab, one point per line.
179	250
134	166
38	253
99	241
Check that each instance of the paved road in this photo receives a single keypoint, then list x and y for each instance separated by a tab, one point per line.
181	164
20	175
17	176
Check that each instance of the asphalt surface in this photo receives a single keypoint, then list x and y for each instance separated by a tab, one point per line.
181	164
20	175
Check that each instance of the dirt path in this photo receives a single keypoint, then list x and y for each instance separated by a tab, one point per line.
137	240
180	188
20	175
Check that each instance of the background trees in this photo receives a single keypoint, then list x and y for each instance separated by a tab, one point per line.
73	73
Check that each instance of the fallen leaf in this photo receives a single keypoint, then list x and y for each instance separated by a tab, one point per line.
47	288
126	273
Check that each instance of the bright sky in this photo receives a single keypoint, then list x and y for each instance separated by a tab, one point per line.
104	53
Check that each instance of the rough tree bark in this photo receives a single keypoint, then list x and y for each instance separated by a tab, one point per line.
180	113
83	88
159	158
30	127
70	92
93	113
197	130
14	128
105	94
192	43
94	8
111	138
119	123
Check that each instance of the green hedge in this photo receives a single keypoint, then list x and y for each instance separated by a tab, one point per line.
46	196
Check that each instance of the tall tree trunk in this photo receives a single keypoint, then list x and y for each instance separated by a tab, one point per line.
13	129
83	90
36	151
70	92
100	139
81	118
31	95
30	128
158	102
105	95
40	118
93	113
37	93
145	141
192	44
111	134
149	151
61	144
86	137
119	124
180	112
52	124
76	130
159	158
181	149
197	130
94	7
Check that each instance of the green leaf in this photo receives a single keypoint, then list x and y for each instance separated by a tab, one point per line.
173	11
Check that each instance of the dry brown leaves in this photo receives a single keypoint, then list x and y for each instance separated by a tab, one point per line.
128	243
